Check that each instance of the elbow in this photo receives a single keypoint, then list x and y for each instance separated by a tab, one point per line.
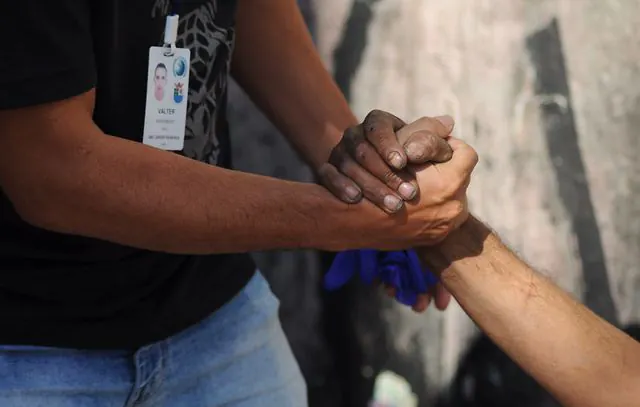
38	211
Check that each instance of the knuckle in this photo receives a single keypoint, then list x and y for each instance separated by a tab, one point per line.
342	163
352	141
361	152
337	155
453	212
374	115
324	171
430	146
389	177
445	191
330	178
455	208
423	146
373	120
447	153
346	167
349	134
449	216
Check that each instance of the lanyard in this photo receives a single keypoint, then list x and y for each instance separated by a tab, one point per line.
174	9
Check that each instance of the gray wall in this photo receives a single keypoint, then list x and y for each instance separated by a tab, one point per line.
548	91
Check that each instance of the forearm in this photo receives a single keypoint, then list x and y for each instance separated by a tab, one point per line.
276	62
576	355
128	193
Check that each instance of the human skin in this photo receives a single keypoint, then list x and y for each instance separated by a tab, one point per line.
133	194
140	196
577	356
160	81
277	64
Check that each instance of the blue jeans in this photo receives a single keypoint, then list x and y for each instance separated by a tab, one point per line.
238	357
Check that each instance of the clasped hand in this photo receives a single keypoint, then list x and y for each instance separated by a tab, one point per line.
417	167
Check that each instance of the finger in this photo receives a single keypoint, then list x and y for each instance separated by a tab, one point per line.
372	188
339	184
442	297
422	303
464	158
440	126
423	146
369	159
380	130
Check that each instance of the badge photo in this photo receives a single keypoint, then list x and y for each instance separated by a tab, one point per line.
159	81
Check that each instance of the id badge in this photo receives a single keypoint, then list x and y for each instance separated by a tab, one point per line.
167	93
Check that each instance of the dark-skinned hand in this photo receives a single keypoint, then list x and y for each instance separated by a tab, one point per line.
369	161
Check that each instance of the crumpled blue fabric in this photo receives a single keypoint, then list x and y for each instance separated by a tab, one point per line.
400	269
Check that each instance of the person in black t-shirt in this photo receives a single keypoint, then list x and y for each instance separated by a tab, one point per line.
124	276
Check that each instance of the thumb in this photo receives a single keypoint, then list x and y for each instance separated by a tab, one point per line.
423	147
441	126
464	157
424	139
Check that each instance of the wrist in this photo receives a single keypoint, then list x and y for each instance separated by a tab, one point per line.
469	240
337	226
463	246
323	134
319	153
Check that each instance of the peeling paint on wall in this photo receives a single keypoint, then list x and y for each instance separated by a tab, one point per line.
548	91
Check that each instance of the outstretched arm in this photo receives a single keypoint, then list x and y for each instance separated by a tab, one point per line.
276	62
61	172
577	356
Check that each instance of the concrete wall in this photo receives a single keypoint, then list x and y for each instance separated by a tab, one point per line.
548	91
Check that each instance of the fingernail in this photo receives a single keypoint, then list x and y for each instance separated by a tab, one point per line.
446	121
392	203
352	192
407	190
396	160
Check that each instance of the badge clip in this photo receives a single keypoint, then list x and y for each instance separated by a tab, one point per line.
171	34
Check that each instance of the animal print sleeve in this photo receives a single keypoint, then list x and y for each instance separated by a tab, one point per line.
46	51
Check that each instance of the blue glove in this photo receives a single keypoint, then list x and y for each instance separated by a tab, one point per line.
400	269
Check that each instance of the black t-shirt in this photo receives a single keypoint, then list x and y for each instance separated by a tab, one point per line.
72	291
